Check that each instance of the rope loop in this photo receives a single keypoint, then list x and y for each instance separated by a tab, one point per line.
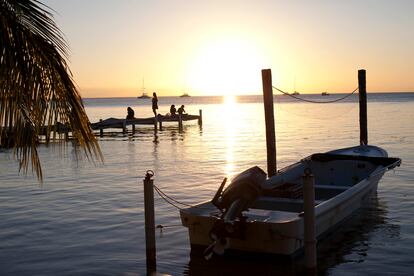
173	202
310	101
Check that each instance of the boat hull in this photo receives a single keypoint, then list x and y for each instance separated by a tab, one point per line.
280	230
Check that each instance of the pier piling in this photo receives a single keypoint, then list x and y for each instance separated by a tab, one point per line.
309	220
155	123
270	121
149	222
363	124
200	119
100	129
180	121
124	127
160	123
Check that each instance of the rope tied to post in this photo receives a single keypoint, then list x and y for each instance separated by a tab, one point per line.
173	202
318	102
149	174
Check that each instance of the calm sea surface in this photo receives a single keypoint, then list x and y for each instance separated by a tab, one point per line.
87	218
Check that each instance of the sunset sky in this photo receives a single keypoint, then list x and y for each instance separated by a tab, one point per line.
219	47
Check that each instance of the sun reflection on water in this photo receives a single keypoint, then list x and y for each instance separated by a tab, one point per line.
231	122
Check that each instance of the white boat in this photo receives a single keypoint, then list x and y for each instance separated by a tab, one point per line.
185	94
144	95
260	215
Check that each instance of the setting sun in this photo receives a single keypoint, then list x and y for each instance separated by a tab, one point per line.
226	67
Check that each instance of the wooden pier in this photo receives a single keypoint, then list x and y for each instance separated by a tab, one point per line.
157	122
63	130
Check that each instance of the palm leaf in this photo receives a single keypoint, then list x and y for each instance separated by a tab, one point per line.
36	86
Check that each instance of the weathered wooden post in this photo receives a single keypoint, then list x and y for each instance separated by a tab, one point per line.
100	128
200	119
309	220
270	121
156	122
47	135
133	128
363	122
159	122
124	128
67	133
149	222
180	121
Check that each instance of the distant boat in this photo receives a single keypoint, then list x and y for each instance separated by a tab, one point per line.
325	94
144	94
294	88
185	95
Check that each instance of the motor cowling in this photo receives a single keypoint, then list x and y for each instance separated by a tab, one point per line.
236	198
246	186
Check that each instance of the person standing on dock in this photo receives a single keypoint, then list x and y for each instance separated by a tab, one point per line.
154	103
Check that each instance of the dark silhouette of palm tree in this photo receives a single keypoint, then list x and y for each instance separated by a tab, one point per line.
36	86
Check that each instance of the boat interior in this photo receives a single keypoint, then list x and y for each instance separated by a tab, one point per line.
332	176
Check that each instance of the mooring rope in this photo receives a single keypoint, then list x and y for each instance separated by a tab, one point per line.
310	101
170	200
165	198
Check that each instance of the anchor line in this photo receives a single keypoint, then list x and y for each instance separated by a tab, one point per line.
310	101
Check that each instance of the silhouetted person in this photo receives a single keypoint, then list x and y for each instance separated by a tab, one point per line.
173	110
131	113
181	110
154	103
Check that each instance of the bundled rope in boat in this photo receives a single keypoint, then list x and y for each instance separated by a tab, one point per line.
173	201
310	101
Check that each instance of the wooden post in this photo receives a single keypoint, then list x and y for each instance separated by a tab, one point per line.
47	135
159	121
180	122
363	124
67	133
124	128
200	119
270	121
133	128
309	220
100	129
149	222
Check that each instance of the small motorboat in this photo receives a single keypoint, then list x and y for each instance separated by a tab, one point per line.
259	215
325	94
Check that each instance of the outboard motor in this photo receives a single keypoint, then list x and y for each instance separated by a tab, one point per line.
236	198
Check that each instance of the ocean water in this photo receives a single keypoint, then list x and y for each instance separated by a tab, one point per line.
87	217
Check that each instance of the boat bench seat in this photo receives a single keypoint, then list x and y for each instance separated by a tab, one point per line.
280	204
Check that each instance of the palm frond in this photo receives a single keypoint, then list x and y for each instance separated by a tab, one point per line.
36	86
